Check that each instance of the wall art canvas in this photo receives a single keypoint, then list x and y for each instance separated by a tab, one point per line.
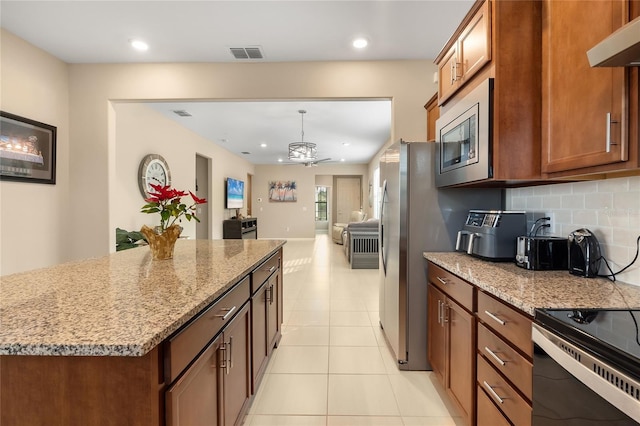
27	150
282	191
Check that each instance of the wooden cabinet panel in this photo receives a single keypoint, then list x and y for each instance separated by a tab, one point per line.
488	413
262	272
436	337
183	347
461	356
506	321
194	399
500	391
474	45
273	326
505	359
452	285
447	75
577	99
259	351
237	374
433	113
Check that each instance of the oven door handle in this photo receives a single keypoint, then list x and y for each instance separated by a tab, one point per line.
550	342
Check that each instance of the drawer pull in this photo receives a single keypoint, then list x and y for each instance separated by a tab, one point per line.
230	353
273	268
495	318
228	311
493	393
442	280
439	311
493	354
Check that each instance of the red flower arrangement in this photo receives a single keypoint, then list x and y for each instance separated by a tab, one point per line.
167	201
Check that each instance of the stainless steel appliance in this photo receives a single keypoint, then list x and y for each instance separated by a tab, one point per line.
542	253
586	367
620	49
463	138
491	234
415	217
584	253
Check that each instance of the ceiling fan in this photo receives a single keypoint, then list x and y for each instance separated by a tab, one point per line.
304	153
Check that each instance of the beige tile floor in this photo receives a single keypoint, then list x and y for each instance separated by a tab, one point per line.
332	367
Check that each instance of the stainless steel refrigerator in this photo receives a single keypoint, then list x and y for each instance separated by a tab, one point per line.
416	217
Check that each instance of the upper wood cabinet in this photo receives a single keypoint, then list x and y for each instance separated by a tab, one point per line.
468	53
513	59
433	113
585	111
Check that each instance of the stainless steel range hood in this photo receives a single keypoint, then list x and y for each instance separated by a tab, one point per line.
620	49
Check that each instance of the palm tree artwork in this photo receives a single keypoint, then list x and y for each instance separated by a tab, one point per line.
282	191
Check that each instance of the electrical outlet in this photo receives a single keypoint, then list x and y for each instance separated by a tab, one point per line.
551	230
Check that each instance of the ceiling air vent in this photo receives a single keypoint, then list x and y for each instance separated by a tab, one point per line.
182	113
254	52
246	152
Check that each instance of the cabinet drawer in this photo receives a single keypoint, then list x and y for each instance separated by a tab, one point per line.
514	326
488	414
505	359
453	286
183	347
262	272
503	395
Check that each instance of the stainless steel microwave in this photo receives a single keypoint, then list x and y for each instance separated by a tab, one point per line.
463	138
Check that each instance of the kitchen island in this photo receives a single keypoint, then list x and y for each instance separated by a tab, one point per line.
106	340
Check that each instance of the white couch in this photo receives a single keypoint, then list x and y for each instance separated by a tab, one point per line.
338	233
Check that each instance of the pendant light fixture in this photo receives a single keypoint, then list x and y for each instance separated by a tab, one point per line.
302	151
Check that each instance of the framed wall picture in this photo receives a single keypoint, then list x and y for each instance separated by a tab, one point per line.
283	191
27	150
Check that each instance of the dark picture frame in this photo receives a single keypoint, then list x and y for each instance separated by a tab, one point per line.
27	150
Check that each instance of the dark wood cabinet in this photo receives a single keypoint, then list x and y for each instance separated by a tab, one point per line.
436	337
585	118
266	321
195	398
238	229
461	327
236	374
433	113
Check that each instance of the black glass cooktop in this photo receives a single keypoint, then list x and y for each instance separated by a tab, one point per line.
611	334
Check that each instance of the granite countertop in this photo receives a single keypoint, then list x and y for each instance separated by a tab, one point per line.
528	290
123	304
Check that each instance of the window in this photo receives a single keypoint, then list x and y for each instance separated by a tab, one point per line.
321	203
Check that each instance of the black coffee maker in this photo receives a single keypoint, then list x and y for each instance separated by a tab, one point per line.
584	253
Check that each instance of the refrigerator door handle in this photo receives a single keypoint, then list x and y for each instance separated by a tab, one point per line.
383	251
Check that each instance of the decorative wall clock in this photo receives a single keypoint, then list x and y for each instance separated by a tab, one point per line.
153	170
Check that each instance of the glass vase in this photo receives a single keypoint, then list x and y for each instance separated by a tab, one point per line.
161	243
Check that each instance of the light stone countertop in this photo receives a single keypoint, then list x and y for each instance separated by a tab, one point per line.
528	290
123	304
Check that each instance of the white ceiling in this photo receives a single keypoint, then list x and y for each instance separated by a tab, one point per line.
94	31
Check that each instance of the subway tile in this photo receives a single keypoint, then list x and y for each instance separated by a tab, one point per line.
588	187
573	201
615	185
561	188
552	202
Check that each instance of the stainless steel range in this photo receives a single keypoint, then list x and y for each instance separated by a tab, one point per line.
586	367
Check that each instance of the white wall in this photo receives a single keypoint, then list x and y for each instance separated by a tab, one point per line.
292	219
93	88
37	220
610	208
141	130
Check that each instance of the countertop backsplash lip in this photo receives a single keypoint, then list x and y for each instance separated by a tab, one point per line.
123	304
528	290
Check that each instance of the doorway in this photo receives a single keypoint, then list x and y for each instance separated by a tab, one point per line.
348	197
203	167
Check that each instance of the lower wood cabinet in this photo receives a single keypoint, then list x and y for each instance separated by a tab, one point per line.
236	374
487	413
451	349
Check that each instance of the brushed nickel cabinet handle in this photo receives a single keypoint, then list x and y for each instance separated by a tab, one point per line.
495	318
228	311
273	268
445	312
439	311
230	353
493	354
608	142
442	280
493	393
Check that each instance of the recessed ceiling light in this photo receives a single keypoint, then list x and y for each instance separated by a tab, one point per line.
342	159
360	43
139	45
263	145
345	144
279	160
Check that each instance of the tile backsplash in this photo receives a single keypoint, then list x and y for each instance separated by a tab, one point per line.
610	208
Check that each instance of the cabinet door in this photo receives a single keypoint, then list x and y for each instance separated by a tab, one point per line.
259	350
436	332
193	399
488	414
474	45
461	381
273	325
578	100
448	75
236	377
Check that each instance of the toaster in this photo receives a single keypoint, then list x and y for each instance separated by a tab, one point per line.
542	253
